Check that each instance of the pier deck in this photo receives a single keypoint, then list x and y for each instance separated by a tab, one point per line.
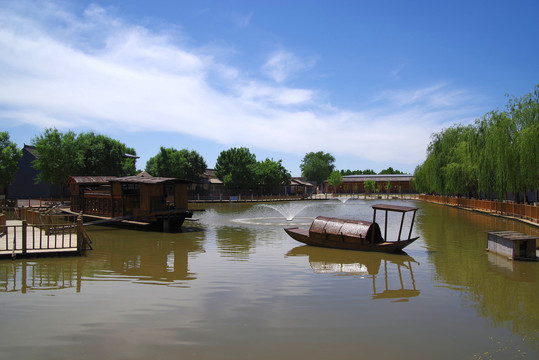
19	239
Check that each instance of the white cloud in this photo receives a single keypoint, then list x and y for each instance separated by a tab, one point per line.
242	20
282	65
98	71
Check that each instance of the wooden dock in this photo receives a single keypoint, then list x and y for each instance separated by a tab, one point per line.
21	239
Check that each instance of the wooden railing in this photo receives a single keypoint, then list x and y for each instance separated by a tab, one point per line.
11	213
508	208
43	232
243	198
98	204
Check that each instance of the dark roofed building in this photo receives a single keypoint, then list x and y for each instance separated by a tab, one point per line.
24	185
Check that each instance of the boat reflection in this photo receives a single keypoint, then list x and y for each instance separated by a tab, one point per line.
395	282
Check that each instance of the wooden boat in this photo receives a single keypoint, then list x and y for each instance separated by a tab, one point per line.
355	234
140	200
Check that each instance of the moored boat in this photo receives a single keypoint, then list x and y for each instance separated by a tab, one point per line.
355	234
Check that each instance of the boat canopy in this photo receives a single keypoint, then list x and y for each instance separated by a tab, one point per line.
335	229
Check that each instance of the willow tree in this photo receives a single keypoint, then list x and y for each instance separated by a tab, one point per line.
525	113
497	155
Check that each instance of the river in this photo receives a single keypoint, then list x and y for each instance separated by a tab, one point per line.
234	285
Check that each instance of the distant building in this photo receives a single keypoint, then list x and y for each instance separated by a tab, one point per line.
25	186
210	186
353	184
299	186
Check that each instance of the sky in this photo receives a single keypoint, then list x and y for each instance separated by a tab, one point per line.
366	81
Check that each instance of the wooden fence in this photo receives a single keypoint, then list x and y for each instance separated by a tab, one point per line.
32	202
42	234
508	208
243	198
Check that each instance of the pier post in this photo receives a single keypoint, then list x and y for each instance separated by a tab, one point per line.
80	233
24	235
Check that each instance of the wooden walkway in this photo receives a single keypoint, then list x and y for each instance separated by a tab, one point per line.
20	239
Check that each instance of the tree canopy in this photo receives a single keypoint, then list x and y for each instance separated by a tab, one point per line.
237	168
370	186
496	155
183	164
61	155
317	166
102	155
58	158
358	172
390	171
335	179
271	173
9	158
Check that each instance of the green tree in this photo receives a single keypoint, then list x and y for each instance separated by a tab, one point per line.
497	155
104	156
9	158
369	186
271	173
335	179
183	164
388	188
58	157
317	166
525	112
390	171
237	168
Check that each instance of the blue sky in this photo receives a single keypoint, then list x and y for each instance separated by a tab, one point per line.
367	81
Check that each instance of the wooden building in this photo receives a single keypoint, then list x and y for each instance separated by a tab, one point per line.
354	184
299	186
154	200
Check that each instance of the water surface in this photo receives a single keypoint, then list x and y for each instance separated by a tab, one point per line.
235	286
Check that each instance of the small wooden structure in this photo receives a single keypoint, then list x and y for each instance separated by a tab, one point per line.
150	200
38	235
355	234
513	245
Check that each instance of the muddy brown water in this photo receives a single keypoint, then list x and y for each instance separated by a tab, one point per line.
235	286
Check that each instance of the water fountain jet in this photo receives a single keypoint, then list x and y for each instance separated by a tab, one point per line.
288	210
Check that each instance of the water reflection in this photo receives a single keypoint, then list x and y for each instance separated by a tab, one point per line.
396	282
148	257
503	292
28	276
118	255
235	242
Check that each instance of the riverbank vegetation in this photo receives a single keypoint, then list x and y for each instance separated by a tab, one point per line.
496	156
